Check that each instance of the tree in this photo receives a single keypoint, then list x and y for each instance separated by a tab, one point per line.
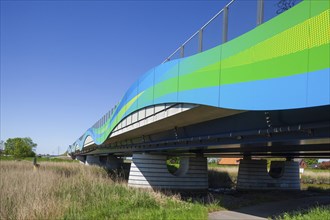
311	161
20	147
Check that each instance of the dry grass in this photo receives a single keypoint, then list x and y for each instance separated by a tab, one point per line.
35	194
222	177
312	177
73	191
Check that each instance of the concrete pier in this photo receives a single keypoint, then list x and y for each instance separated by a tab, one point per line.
111	162
107	161
82	159
93	160
150	171
253	174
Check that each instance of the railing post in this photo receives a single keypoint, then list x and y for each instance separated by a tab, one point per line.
182	51
200	40
225	25
260	12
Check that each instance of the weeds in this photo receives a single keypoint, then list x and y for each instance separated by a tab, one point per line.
222	177
319	212
72	191
320	177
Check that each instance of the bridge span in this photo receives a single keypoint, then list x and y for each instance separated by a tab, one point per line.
263	94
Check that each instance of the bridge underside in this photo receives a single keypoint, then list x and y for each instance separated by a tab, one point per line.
228	133
271	67
212	132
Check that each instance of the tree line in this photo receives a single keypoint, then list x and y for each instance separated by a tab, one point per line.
20	147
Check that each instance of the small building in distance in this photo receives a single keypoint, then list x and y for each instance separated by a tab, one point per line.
302	163
229	161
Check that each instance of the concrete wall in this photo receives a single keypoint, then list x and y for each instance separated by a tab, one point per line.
253	174
150	171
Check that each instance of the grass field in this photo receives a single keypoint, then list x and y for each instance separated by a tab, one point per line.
222	176
316	176
72	191
40	159
316	213
65	190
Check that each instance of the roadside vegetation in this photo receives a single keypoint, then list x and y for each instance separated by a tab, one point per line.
19	147
317	213
71	191
65	190
226	174
316	176
40	159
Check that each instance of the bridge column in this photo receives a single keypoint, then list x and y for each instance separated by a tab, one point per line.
253	174
111	162
81	159
150	171
93	160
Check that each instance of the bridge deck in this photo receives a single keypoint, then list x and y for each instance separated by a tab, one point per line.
247	85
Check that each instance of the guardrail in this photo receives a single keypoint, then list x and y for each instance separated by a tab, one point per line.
224	37
224	11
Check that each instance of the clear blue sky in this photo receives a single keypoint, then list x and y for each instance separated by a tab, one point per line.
66	63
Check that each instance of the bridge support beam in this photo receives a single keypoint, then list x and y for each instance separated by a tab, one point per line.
150	171
253	174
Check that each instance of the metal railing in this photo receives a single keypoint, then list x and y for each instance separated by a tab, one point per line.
224	38
199	32
105	117
283	5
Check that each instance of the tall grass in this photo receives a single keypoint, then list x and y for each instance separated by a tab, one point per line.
222	176
316	177
40	159
72	191
26	194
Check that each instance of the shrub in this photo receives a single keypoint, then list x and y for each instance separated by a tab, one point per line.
325	165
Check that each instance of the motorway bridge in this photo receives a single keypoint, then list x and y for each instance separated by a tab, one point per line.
263	94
